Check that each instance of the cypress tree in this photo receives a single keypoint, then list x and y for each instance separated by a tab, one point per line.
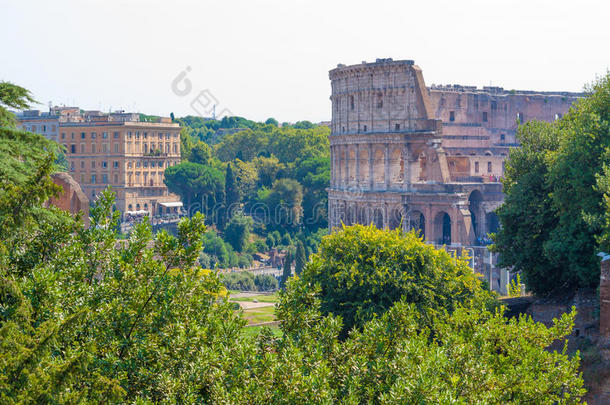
231	192
300	259
287	273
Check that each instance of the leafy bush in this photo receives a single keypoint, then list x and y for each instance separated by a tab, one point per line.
265	282
362	271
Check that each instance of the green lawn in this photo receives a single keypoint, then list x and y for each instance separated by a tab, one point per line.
254	330
258	315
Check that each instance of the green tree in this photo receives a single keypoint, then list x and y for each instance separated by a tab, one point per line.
527	215
272	121
300	258
287	270
12	96
237	231
362	271
232	197
284	202
197	185
200	153
546	233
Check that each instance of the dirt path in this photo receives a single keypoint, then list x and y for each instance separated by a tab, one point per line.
250	305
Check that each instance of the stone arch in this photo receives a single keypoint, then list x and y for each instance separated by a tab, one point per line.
396	166
417	222
363	165
395	219
379	167
351	215
442	228
475	199
351	162
377	218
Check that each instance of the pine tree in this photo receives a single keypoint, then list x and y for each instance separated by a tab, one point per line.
300	258
231	192
287	271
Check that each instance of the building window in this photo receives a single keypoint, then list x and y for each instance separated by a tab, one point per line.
116	147
82	178
72	166
63	135
82	164
104	164
93	148
33	128
104	178
451	116
93	135
145	163
115	164
105	135
53	127
138	163
494	105
175	148
44	128
489	167
502	137
93	178
145	135
82	135
105	148
82	148
72	148
476	167
351	102
93	164
129	165
116	135
116	178
365	128
484	116
379	100
397	127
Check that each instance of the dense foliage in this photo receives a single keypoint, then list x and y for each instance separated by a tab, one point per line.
88	318
277	175
362	271
555	216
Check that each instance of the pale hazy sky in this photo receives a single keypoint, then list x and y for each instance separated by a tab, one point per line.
271	58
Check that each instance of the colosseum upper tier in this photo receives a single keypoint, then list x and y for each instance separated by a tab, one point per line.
430	158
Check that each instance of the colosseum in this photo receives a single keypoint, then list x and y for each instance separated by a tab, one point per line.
429	158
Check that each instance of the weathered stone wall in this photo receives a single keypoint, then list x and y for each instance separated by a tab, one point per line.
72	198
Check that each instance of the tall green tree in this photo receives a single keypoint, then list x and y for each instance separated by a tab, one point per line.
299	258
232	197
237	231
546	233
287	270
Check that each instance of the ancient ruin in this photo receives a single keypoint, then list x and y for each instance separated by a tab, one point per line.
429	158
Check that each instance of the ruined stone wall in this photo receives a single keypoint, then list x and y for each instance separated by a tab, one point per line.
72	198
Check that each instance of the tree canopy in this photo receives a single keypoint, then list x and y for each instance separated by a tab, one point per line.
546	232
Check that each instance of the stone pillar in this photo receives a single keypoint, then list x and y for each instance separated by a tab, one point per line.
386	217
357	174
371	169
405	169
604	310
346	167
386	163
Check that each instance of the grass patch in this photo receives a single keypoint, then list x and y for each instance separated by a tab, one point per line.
258	315
251	332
